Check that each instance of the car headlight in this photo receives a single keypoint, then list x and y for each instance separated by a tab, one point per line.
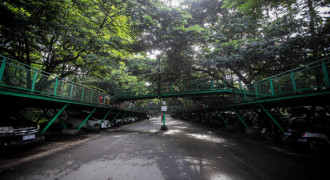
6	129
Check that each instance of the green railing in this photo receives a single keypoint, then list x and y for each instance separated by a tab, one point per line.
17	76
307	78
189	87
310	77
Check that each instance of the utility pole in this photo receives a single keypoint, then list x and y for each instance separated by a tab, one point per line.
164	108
159	77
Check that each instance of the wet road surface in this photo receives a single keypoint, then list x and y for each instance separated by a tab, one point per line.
141	151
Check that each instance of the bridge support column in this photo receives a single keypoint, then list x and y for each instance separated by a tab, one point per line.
271	86
63	124
223	119
54	118
164	127
115	117
271	117
294	87
89	115
124	115
241	119
34	80
105	117
2	68
325	73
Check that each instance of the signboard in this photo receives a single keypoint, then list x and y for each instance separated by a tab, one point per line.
164	108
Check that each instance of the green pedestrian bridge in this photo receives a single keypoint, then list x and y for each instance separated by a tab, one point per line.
25	86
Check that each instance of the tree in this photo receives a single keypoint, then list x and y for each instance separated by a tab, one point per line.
66	37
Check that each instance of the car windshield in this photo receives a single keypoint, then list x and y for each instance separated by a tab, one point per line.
15	122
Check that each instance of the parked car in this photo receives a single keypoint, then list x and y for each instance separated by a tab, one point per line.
95	122
19	131
119	122
314	140
130	119
126	120
74	123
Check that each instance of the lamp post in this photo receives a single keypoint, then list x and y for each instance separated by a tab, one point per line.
164	109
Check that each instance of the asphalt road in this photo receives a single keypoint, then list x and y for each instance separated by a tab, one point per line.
141	151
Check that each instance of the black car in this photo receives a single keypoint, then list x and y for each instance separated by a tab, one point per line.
18	131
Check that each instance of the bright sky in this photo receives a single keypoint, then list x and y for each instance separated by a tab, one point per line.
153	54
173	2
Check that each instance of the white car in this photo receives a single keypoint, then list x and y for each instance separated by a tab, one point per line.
96	122
74	123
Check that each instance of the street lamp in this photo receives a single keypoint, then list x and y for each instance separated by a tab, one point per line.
163	109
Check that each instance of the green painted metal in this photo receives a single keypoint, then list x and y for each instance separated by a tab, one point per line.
240	118
224	84
124	115
293	83
63	124
54	118
263	120
271	117
177	94
275	87
256	90
115	117
56	84
82	94
92	97
2	68
71	90
223	119
27	79
34	80
271	86
325	74
106	115
164	118
89	115
211	88
46	98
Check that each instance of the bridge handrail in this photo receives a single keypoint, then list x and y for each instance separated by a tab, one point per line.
293	70
311	76
34	74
